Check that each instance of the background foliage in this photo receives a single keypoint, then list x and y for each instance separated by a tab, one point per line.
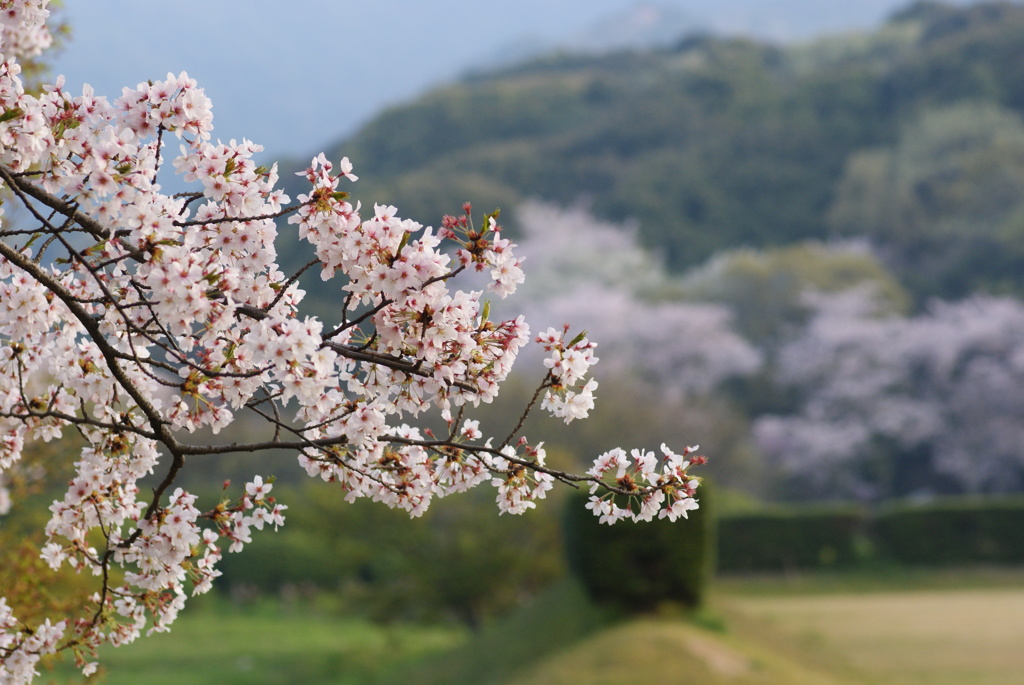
824	235
719	142
829	237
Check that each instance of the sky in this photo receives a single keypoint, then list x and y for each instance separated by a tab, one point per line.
298	76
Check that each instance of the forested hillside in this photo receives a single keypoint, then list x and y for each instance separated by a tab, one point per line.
825	270
910	135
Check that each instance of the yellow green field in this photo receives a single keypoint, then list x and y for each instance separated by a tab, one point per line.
904	630
966	630
930	637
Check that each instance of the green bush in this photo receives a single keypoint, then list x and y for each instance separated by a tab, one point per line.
792	539
953	532
636	567
459	559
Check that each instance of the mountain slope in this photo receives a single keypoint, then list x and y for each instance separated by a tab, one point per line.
711	144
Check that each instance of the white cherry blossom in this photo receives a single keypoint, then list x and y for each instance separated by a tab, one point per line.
135	318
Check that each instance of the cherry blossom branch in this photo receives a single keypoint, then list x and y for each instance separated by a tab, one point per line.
177	317
90	325
228	219
544	385
22	187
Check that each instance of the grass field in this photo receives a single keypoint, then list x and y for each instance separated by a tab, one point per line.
662	650
220	643
947	636
907	628
897	628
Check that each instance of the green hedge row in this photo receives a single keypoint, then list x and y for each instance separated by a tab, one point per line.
784	539
947	532
954	532
473	564
637	566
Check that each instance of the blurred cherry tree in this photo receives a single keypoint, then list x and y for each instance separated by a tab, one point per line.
891	405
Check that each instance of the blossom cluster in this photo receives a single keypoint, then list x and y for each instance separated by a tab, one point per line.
654	487
571	395
136	318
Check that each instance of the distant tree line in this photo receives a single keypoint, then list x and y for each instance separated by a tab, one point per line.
910	135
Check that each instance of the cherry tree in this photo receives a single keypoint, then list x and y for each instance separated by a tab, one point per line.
597	274
134	318
945	387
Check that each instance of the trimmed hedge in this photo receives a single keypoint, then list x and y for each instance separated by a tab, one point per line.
953	532
792	539
637	566
945	532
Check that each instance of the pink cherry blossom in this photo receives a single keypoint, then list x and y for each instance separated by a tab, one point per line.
136	318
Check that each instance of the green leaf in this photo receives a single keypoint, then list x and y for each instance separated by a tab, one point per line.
402	244
487	220
11	114
580	336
